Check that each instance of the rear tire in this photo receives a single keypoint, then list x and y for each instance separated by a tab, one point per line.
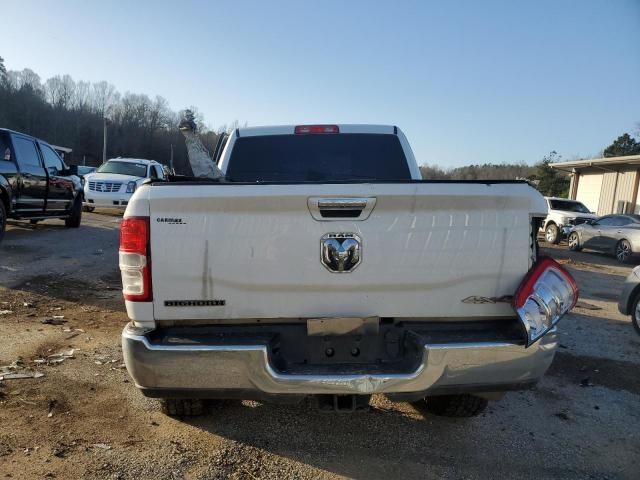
574	242
3	219
182	407
75	217
457	406
552	233
623	251
635	314
88	209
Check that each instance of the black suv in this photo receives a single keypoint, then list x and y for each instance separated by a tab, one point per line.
35	183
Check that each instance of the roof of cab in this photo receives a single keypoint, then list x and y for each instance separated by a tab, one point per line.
290	129
8	130
14	132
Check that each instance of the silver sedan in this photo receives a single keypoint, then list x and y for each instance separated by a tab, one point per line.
629	303
613	234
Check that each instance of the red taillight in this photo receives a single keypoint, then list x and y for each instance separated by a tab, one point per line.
135	259
547	292
306	129
134	235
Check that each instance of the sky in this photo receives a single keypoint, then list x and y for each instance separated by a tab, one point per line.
467	81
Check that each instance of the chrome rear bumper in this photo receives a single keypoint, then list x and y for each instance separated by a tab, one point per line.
219	367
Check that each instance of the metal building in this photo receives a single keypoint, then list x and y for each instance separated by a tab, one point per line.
604	185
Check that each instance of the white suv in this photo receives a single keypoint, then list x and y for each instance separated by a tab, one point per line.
563	215
112	185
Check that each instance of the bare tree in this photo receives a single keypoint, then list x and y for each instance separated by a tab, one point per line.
133	110
140	126
228	128
159	114
60	91
25	78
14	79
103	96
82	96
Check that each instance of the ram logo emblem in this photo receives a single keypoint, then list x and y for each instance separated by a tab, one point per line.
340	252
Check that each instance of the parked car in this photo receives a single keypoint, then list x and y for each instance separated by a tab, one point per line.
563	215
629	303
35	183
323	266
84	170
613	234
113	183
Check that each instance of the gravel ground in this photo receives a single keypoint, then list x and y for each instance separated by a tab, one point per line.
85	419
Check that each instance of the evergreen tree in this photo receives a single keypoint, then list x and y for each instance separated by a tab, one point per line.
3	71
552	182
624	145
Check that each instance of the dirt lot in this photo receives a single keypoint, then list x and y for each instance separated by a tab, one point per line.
84	419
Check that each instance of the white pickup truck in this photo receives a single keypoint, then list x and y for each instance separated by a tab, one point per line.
564	214
322	266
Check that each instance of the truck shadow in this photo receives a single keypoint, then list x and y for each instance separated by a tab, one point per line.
353	445
388	441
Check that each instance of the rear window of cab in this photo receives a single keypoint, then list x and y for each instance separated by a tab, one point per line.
318	158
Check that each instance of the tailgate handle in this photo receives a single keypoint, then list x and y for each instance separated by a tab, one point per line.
328	209
340	203
341	208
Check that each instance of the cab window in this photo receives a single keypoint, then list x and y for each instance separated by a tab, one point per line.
51	160
5	148
156	172
26	153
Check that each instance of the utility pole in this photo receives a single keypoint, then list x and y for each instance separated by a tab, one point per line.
104	142
171	161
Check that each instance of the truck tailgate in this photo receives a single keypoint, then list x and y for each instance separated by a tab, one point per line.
428	250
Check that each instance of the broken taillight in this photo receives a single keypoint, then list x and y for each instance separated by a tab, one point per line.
135	259
547	292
